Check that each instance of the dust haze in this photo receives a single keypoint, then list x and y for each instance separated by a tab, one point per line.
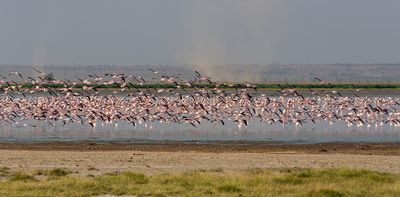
212	39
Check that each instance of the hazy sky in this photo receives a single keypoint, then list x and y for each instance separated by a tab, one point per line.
199	31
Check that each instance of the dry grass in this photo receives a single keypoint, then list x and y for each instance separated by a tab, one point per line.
251	182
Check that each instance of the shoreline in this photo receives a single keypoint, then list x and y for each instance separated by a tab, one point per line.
231	86
215	147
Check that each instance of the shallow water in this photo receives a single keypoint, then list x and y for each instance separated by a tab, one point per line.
206	132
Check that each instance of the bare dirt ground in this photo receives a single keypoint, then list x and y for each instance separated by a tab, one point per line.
91	158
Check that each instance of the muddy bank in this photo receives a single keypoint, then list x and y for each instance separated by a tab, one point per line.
329	148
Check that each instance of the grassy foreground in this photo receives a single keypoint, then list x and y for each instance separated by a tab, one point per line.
252	182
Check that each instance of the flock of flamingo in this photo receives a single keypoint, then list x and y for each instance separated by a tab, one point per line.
186	103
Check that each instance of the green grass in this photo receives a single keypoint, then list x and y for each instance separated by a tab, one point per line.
55	172
251	182
4	171
21	176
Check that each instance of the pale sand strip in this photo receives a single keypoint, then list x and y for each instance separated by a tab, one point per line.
97	162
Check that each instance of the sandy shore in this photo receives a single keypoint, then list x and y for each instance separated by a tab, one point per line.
89	158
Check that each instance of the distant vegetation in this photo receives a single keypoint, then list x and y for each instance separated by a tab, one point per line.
250	182
233	86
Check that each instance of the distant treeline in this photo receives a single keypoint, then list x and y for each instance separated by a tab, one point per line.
229	86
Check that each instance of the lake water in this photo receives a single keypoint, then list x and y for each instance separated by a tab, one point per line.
156	132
